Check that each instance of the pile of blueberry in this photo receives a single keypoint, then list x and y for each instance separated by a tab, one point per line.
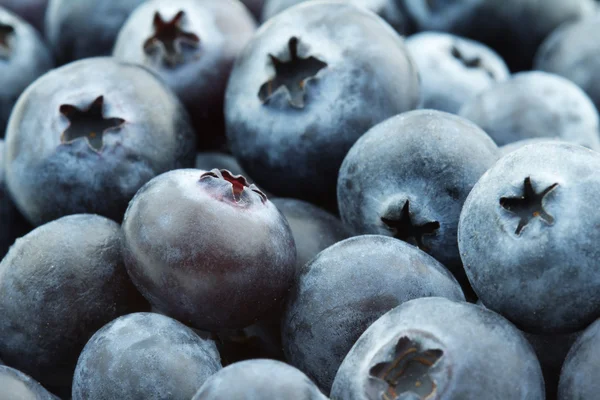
299	199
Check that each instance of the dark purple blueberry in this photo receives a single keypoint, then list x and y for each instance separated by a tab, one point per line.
255	7
390	10
78	144
572	51
59	284
532	105
259	380
453	69
144	356
314	229
514	28
208	249
409	176
346	288
12	223
307	86
23	58
191	45
78	29
32	11
528	237
15	385
435	348
579	375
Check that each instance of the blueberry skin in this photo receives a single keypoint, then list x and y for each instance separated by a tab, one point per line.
32	11
416	157
453	69
49	178
571	51
480	355
578	377
16	385
532	105
77	29
28	58
326	312
12	222
537	264
144	356
390	10
257	380
207	259
509	148
223	27
514	28
368	78
314	229
61	283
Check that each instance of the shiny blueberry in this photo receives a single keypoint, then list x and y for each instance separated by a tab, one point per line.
60	283
528	237
217	256
344	289
308	85
191	45
144	356
435	348
81	145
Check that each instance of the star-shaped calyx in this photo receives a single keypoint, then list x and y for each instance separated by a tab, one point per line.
171	38
6	31
407	372
88	124
404	228
292	75
470	62
528	206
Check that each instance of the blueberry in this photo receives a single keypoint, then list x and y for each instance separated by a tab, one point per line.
314	229
307	86
191	45
390	10
510	147
528	237
32	11
77	144
78	29
259	380
578	378
514	28
60	283
453	69
12	222
16	385
144	356
23	58
572	51
211	160
532	105
208	249
435	348
409	176
344	289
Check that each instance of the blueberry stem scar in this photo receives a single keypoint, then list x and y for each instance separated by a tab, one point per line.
88	124
528	206
5	32
292	75
169	36
404	228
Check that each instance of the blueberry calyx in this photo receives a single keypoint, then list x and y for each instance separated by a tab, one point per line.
238	183
291	75
528	206
169	36
88	124
406	372
469	62
404	228
6	31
